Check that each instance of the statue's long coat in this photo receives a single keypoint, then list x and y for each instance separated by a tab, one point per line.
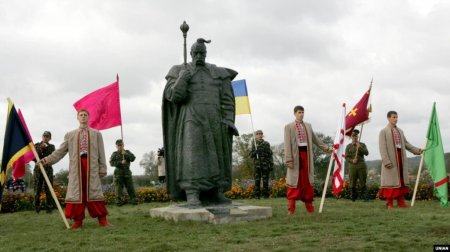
197	142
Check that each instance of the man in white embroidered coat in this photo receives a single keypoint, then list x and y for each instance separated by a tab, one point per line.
298	142
87	163
394	166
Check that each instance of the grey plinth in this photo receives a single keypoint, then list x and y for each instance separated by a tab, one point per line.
214	214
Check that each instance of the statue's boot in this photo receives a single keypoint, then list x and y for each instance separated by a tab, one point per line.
193	199
221	199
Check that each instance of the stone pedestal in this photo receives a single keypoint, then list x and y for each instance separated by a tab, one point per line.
221	214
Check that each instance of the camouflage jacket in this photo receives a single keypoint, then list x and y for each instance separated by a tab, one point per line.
263	154
44	151
116	160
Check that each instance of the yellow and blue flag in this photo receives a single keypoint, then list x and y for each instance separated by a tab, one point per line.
16	144
241	97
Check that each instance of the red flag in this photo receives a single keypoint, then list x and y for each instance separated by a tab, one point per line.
103	106
19	165
358	114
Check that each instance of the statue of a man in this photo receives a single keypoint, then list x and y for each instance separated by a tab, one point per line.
198	127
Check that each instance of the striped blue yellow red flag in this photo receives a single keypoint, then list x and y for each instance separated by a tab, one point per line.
241	97
16	144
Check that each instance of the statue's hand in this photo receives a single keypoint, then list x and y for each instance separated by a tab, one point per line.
231	128
185	75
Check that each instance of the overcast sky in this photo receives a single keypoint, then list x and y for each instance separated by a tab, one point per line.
318	54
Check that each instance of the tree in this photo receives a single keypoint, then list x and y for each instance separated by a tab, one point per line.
321	158
150	166
62	177
242	162
279	164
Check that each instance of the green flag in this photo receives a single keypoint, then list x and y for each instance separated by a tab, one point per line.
434	158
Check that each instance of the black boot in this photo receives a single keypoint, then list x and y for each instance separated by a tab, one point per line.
37	204
364	194
353	194
257	195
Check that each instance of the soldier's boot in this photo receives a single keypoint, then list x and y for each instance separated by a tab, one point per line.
354	195
48	208
389	203
37	204
266	191
309	207
266	194
133	201
119	202
257	194
77	224
364	194
291	207
401	202
193	200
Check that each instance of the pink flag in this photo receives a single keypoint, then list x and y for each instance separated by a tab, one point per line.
19	165
103	106
339	154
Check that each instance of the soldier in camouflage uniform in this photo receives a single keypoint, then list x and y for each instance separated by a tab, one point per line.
263	163
43	148
121	159
354	155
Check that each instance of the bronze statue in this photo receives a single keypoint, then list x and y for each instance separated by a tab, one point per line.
198	127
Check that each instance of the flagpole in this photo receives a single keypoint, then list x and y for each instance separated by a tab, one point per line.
121	128
50	186
359	140
417	180
326	183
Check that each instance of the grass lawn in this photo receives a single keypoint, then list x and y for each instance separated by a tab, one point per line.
343	226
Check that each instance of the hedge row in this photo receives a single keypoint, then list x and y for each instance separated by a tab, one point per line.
13	202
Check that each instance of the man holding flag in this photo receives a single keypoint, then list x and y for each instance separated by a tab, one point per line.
354	155
43	148
87	163
299	138
394	168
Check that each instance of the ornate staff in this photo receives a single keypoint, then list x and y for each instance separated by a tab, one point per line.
184	28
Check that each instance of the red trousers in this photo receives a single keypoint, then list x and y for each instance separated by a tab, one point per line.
304	190
394	193
75	211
